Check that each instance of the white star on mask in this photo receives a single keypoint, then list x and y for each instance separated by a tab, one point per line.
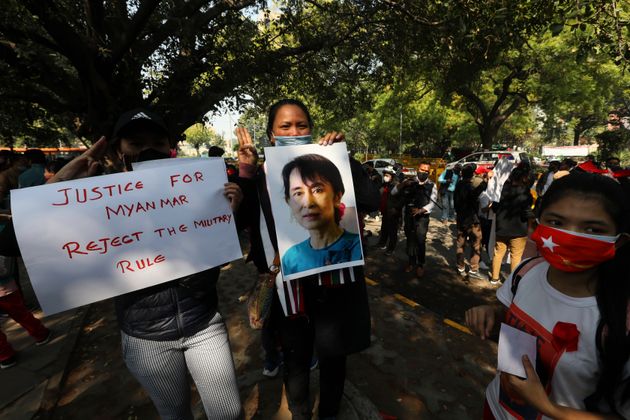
548	243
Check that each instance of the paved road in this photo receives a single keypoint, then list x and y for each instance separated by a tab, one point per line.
441	289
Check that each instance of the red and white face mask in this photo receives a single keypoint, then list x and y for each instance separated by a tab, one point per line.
573	251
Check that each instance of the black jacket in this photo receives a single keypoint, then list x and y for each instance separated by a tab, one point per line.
172	310
466	200
416	195
513	211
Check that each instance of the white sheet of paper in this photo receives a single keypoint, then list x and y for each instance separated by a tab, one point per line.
94	238
513	345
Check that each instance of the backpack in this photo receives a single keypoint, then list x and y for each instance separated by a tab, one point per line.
522	269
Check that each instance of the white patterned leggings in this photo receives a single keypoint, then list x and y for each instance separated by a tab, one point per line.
161	367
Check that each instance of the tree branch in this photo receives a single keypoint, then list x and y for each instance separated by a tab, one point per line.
95	15
470	95
71	44
146	48
136	25
507	81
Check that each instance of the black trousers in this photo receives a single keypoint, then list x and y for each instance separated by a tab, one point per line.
297	337
389	231
416	229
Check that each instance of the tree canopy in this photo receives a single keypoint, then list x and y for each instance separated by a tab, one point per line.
392	73
86	61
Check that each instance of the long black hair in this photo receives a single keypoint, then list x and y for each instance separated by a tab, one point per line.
613	285
273	110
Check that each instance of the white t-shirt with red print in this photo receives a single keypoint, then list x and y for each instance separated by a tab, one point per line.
567	359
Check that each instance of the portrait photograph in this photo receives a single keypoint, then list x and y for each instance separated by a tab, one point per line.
314	206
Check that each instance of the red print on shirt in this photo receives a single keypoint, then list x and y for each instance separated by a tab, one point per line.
550	346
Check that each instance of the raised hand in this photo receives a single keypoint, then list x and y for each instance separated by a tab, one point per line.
246	150
330	138
88	164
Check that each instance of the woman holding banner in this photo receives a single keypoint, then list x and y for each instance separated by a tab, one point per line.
333	318
173	328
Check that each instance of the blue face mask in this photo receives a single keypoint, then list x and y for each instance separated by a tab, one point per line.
293	140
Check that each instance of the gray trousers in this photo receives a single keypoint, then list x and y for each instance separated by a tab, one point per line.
162	369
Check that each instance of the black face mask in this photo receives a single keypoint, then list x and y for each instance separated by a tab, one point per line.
147	154
423	176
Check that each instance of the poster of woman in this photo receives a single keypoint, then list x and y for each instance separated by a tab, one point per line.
313	202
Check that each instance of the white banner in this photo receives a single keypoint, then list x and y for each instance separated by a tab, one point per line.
94	238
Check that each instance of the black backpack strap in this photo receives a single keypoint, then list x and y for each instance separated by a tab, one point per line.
518	273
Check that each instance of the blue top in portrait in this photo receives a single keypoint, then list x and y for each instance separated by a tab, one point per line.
302	256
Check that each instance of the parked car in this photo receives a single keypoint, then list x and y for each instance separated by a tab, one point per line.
383	163
488	158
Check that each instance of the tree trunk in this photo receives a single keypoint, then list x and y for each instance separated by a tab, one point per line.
488	132
576	136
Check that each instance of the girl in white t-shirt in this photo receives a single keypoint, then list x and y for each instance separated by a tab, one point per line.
575	301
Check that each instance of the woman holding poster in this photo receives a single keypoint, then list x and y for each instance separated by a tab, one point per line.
315	311
313	189
173	328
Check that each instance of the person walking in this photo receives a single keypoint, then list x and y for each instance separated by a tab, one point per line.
514	215
391	210
468	224
419	196
12	303
448	181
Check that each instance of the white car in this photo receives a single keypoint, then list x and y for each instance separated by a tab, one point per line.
486	159
383	164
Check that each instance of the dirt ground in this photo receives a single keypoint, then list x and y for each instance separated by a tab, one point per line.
417	367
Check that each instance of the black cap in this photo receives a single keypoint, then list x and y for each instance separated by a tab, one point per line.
136	116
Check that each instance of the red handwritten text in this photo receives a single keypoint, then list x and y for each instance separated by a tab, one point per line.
136	265
205	223
171	230
83	195
144	206
101	245
186	178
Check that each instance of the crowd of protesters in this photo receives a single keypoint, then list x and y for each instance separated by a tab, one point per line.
565	246
565	233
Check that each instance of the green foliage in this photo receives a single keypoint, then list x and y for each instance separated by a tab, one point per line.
485	51
255	120
90	61
198	135
575	96
613	142
460	72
